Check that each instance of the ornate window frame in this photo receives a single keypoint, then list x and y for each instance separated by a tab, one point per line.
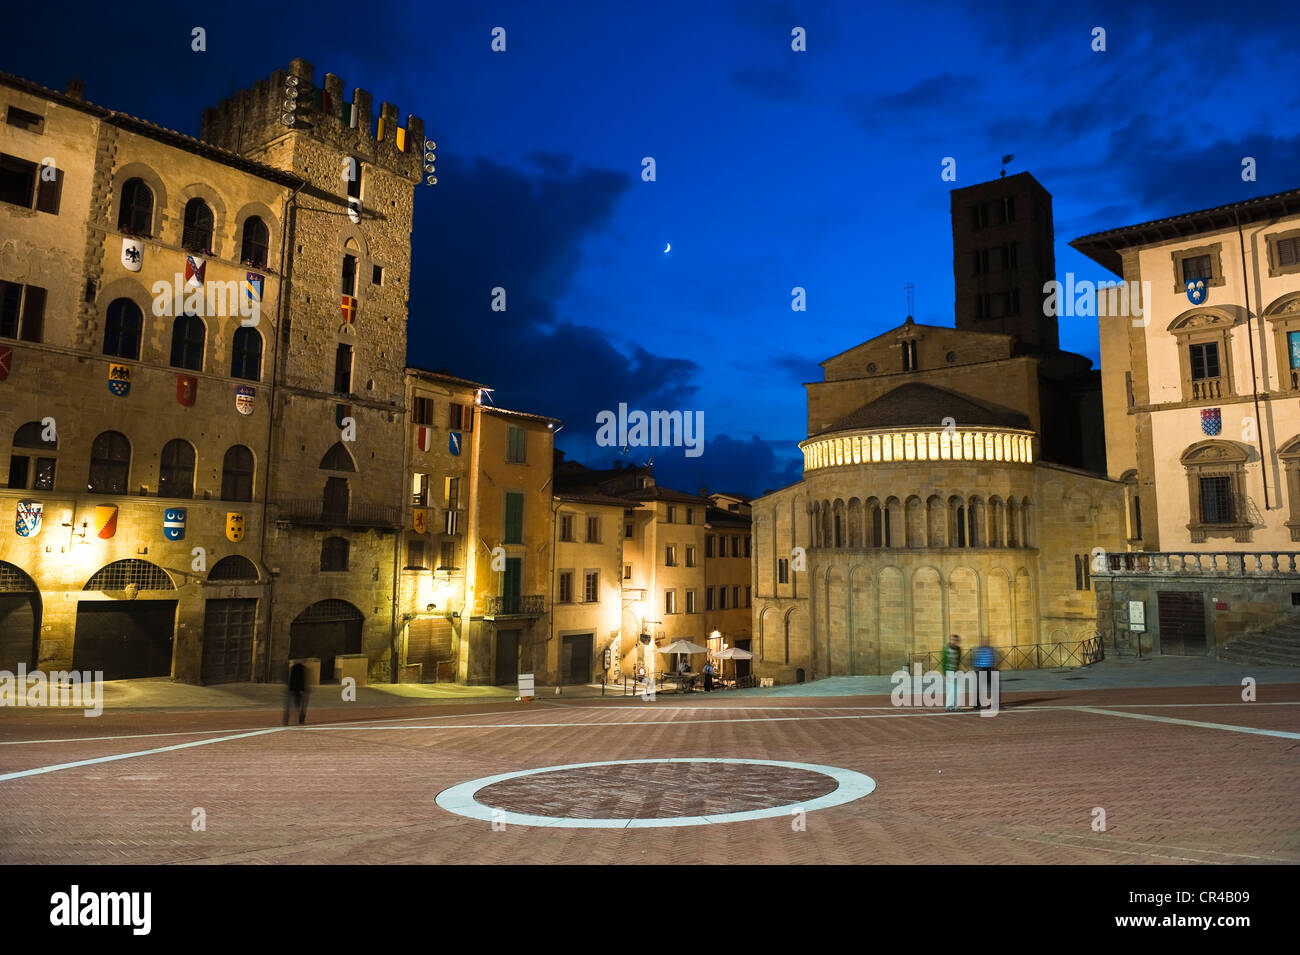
1275	270
1289	454
1284	317
1216	459
1202	326
1214	251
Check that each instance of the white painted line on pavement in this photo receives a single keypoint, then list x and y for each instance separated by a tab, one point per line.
1282	734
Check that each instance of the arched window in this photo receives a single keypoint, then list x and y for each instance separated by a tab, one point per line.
246	354
135	214
334	554
196	236
123	327
32	471
176	469
337	459
110	463
187	342
233	568
256	242
237	474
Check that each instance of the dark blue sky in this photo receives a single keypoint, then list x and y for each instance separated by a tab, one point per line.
775	169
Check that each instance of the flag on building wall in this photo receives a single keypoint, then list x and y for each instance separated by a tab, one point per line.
119	380
253	285
244	397
349	309
187	389
424	438
132	254
1196	291
235	526
1211	421
453	442
421	520
29	518
341	412
174	523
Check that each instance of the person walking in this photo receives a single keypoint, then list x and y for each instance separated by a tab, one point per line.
708	677
985	664
296	693
951	664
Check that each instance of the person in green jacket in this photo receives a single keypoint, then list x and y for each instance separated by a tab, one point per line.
951	664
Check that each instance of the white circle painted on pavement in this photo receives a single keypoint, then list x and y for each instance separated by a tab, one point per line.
460	799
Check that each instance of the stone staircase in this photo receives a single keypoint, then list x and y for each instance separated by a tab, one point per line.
1279	646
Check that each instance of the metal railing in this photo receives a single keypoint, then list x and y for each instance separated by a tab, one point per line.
354	514
525	605
1205	563
1033	656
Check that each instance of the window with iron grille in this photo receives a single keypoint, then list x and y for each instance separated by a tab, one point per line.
135	213
110	461
123	326
1205	360
566	586
121	573
1216	500
591	586
334	554
196	232
14	581
176	469
237	474
233	568
447	555
255	245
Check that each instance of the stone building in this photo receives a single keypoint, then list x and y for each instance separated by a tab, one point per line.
1201	380
202	489
953	477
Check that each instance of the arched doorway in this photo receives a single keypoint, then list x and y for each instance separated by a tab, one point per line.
324	630
20	619
131	634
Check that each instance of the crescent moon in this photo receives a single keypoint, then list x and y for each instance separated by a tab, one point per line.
668	248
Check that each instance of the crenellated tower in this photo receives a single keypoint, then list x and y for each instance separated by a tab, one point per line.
342	348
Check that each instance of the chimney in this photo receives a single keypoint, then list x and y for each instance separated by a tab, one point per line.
76	89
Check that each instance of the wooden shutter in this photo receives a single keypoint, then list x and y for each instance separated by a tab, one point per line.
33	314
48	193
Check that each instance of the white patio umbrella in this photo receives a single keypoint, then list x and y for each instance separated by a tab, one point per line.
733	653
683	646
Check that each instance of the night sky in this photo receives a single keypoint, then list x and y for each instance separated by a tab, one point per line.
775	169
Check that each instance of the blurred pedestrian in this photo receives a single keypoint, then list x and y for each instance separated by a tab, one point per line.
296	693
708	677
985	664
951	664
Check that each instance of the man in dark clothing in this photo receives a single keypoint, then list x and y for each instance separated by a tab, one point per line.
297	693
708	677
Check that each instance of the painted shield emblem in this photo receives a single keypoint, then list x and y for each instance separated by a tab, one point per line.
341	412
1211	421
1196	291
6	361
174	523
194	269
235	526
354	211
132	254
187	389
424	438
421	520
349	308
453	442
119	380
244	396
29	518
253	285
105	520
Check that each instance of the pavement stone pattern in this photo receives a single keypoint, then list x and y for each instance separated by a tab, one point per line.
655	790
357	784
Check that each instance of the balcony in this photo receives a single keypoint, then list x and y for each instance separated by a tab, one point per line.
516	605
1202	564
1207	389
315	512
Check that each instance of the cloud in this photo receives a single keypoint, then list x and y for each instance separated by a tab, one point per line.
745	466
